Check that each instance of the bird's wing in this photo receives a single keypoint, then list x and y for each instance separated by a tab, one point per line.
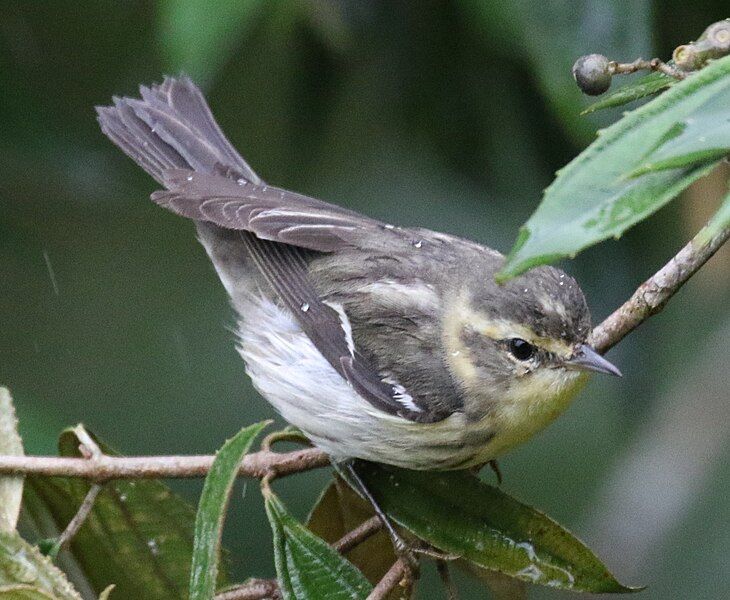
269	212
275	226
327	326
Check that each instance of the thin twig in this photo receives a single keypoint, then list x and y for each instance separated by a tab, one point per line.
81	514
392	578
641	64
654	293
253	589
358	535
90	450
107	468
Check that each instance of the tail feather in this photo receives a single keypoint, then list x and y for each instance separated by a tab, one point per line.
171	127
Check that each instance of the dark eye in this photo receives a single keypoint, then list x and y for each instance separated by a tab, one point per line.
521	349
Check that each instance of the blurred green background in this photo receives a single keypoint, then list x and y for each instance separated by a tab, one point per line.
448	115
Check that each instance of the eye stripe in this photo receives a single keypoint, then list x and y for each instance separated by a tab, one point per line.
502	329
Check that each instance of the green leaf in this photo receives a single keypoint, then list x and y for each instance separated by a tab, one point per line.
22	564
24	592
458	513
720	221
306	566
594	197
338	511
139	535
700	137
11	488
641	88
212	511
198	36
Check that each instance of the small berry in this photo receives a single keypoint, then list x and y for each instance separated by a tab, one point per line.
593	74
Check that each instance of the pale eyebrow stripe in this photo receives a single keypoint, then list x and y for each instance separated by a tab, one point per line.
463	314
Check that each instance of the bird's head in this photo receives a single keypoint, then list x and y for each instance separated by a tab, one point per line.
526	338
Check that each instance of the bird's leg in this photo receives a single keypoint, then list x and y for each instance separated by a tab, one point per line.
399	543
402	548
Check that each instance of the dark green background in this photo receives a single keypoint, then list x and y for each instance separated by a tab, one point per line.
449	115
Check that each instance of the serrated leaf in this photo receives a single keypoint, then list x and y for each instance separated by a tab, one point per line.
22	564
24	592
641	88
458	513
338	511
306	566
212	509
11	488
594	197
139	535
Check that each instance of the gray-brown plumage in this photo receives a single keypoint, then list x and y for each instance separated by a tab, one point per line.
380	342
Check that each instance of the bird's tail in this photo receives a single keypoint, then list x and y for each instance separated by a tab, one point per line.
171	127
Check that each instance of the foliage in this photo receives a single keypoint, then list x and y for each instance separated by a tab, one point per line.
212	510
340	510
24	571
306	566
139	535
634	167
648	85
11	488
458	513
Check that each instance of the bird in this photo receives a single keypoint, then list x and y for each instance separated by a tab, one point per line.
379	342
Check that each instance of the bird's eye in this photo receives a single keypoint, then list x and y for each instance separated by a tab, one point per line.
521	349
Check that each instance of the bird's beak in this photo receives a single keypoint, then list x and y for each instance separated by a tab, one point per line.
587	359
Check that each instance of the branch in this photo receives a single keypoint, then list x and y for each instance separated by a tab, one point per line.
78	520
392	578
358	535
654	293
106	468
